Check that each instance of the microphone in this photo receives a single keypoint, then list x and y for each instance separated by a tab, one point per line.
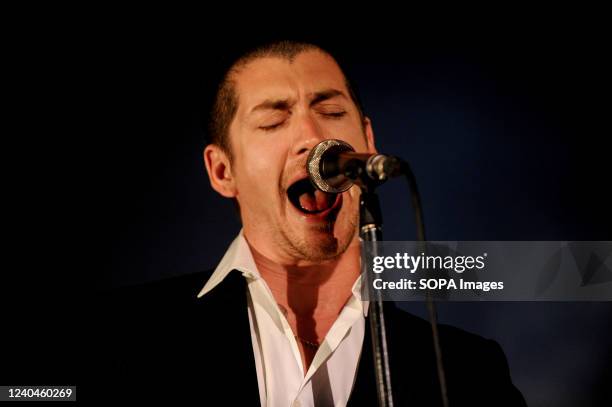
333	166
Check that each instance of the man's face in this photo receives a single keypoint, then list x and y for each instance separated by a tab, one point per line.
284	109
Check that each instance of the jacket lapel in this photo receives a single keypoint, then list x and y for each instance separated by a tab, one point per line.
234	347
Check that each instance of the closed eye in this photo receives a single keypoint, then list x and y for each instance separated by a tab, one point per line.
332	110
334	114
271	127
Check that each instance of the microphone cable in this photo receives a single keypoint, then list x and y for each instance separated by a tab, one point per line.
431	306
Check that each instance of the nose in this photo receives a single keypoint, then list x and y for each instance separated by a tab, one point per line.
309	133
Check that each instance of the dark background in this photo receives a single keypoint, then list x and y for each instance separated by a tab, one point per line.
506	130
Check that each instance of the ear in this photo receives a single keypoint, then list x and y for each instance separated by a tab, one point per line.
219	171
367	124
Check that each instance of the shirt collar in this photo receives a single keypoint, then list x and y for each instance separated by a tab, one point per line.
239	257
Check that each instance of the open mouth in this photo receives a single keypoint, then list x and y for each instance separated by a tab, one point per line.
309	200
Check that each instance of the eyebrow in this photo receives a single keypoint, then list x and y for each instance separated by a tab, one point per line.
272	104
285	104
326	94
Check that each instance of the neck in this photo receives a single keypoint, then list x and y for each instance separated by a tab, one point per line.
313	291
311	296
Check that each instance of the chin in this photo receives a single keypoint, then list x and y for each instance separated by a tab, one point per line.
324	242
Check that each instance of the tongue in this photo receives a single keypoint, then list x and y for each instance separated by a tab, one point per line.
314	203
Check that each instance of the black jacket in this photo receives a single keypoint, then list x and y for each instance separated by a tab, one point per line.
158	341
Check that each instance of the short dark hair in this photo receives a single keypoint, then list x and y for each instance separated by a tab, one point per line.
225	102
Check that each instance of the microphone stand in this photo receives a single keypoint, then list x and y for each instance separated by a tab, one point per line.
370	223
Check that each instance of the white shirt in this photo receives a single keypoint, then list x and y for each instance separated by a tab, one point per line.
280	373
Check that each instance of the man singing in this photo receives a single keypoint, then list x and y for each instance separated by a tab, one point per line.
280	321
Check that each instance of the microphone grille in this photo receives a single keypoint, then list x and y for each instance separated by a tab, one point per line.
313	166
